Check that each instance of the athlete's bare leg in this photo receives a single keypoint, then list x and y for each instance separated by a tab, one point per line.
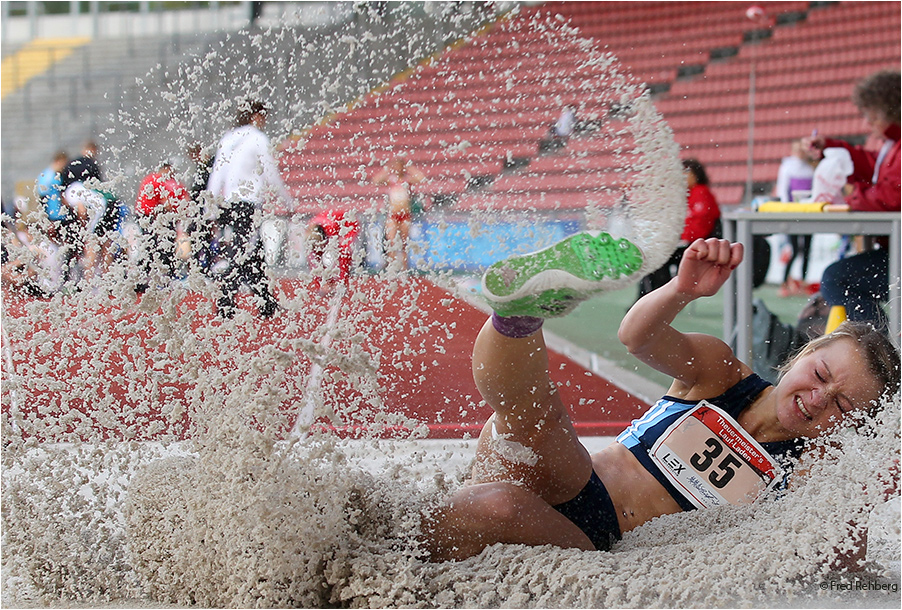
530	461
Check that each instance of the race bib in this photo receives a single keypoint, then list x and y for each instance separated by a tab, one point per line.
712	460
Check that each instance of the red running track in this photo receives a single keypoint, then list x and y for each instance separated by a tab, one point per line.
401	350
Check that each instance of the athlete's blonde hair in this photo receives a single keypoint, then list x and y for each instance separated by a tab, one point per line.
880	354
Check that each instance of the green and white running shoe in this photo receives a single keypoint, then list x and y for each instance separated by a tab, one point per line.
553	281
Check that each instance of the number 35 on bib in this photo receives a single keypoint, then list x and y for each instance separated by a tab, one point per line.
712	460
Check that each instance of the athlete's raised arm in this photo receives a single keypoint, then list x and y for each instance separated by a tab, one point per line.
691	359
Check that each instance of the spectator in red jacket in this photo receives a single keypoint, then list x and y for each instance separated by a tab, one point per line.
159	197
861	282
876	180
702	222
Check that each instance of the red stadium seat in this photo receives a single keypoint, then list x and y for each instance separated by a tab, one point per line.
482	109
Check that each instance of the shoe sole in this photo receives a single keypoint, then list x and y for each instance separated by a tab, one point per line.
554	280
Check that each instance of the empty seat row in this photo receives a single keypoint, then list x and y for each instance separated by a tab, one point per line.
714	135
844	13
482	108
677	18
790	64
857	29
837	77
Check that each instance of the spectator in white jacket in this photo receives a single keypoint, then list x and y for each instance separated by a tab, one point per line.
244	174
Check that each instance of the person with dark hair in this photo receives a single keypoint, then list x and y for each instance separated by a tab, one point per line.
861	282
702	221
203	164
201	229
83	168
244	173
97	209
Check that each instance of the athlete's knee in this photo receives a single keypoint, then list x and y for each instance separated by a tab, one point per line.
475	517
459	528
486	506
497	507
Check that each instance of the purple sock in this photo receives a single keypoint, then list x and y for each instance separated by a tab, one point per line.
516	327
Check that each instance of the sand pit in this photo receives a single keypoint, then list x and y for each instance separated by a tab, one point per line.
246	522
161	470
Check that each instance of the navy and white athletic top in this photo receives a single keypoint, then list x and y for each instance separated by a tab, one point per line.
642	433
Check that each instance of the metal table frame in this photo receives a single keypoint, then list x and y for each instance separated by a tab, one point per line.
740	226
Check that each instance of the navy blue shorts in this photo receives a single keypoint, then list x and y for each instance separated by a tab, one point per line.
593	512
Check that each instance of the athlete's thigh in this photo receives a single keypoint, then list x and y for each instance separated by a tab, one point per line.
544	456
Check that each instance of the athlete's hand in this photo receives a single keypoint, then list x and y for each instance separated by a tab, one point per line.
706	265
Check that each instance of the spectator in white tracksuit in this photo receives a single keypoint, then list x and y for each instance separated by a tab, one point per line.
243	173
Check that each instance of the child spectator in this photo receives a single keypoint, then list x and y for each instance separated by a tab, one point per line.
795	174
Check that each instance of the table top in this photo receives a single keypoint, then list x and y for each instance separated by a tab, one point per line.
746	223
880	223
747	214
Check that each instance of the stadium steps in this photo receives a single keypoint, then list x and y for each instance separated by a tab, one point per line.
462	119
34	59
806	66
488	105
804	72
484	108
576	176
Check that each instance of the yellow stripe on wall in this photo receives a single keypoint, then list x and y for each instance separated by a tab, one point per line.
33	59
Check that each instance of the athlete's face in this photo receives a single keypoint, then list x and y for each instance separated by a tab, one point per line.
823	387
